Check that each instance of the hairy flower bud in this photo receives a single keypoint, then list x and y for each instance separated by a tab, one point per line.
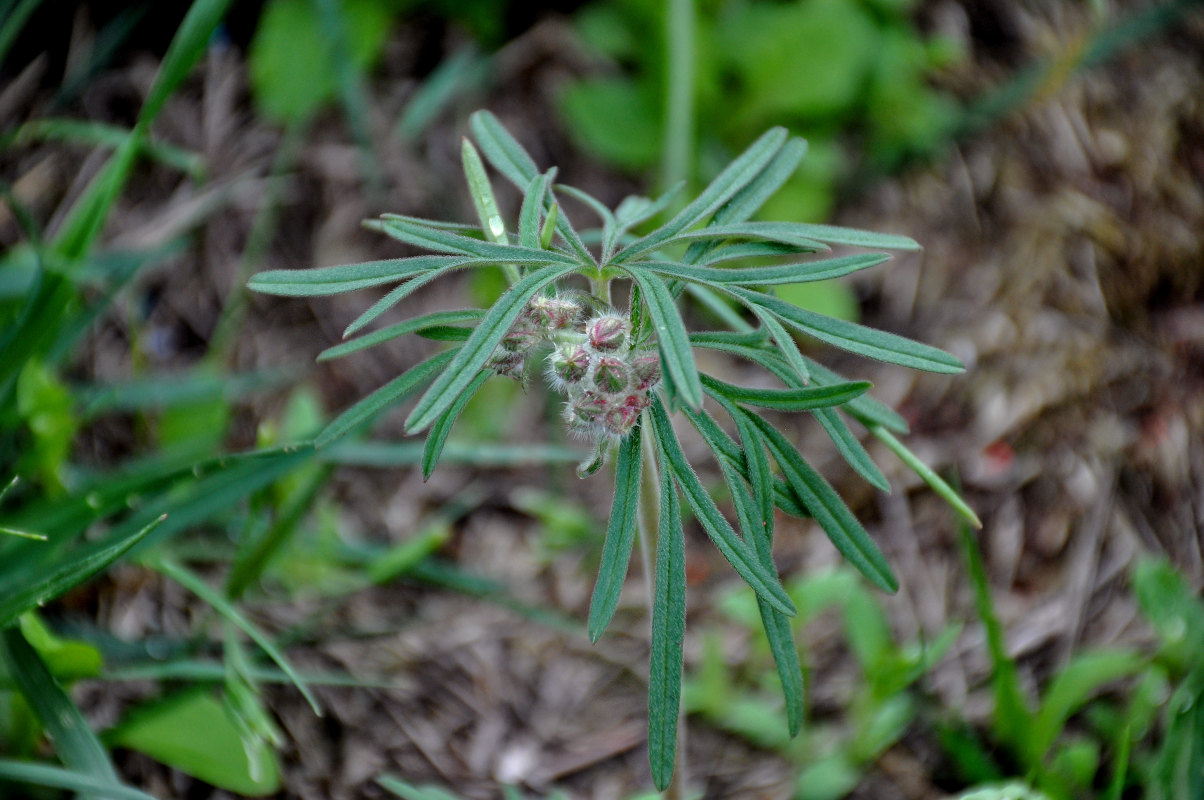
569	364
554	313
646	366
507	363
607	333
610	375
588	407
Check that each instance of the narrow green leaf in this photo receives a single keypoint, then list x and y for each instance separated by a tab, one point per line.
740	251
1074	684
620	534
406	230
799	272
187	46
395	296
785	342
421	325
738	553
864	409
749	199
442	427
533	206
100	134
349	277
829	510
73	738
855	338
788	399
668	635
482	194
503	151
36	587
671	335
58	778
833	234
778	232
936	482
732	179
393	392
850	448
221	605
718	305
471	358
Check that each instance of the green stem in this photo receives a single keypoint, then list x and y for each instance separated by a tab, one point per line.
678	155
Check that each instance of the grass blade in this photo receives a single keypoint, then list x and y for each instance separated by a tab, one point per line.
738	553
385	397
35	586
668	635
70	780
73	739
221	605
186	48
620	534
471	358
838	522
672	336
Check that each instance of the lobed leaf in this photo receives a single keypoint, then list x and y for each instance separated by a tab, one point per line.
349	277
435	321
620	534
385	397
738	553
671	335
472	356
668	635
829	510
788	399
442	427
855	338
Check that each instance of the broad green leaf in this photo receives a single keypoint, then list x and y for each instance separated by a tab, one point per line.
850	448
668	635
169	732
385	397
829	510
620	534
738	174
788	399
224	607
442	427
349	277
471	358
37	586
671	335
800	272
74	741
423	326
738	553
936	482
70	780
855	338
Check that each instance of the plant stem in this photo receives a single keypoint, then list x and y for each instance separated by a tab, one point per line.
677	155
647	519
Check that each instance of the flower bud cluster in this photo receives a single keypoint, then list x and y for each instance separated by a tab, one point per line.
594	363
606	378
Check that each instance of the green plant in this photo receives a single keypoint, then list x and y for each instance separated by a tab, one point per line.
623	372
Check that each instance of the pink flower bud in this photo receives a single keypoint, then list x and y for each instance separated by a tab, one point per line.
646	366
553	313
509	364
607	333
610	375
621	418
589	407
570	365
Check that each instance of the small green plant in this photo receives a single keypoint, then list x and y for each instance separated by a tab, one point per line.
623	369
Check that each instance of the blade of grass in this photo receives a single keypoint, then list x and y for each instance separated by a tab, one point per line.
69	780
221	605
